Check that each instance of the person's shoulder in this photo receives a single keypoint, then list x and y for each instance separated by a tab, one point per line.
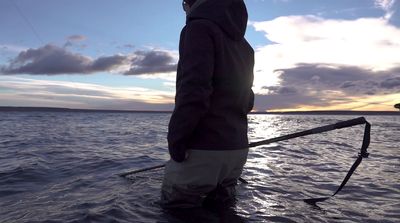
201	25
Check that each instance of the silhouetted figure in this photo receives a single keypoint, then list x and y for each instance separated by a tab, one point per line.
207	137
397	106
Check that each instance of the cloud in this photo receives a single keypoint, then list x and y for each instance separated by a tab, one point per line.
370	43
287	101
76	38
71	40
48	60
150	62
108	63
391	83
351	80
366	42
325	61
387	6
11	48
127	46
27	92
54	60
282	90
324	85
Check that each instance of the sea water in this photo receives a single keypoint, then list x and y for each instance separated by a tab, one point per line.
64	166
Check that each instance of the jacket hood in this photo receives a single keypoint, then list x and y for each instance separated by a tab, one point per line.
230	15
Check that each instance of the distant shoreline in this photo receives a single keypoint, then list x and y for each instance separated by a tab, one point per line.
54	109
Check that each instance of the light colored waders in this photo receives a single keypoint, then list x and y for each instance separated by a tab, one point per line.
204	172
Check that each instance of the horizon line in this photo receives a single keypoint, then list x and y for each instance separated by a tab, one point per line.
62	109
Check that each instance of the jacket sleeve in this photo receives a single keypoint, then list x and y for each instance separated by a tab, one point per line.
251	101
193	87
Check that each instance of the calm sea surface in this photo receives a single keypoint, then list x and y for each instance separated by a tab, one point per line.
62	167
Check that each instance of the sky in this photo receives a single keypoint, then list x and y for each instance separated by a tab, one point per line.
122	54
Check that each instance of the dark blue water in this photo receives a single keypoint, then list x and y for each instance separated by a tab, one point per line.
62	167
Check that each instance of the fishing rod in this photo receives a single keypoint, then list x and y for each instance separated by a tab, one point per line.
159	167
344	124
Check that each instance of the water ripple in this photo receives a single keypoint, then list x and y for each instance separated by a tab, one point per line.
62	167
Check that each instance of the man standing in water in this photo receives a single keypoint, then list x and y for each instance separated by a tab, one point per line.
207	137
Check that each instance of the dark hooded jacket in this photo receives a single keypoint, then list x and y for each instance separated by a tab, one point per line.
214	80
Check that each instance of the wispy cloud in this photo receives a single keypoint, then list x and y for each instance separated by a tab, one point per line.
29	92
387	6
73	39
76	38
12	48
